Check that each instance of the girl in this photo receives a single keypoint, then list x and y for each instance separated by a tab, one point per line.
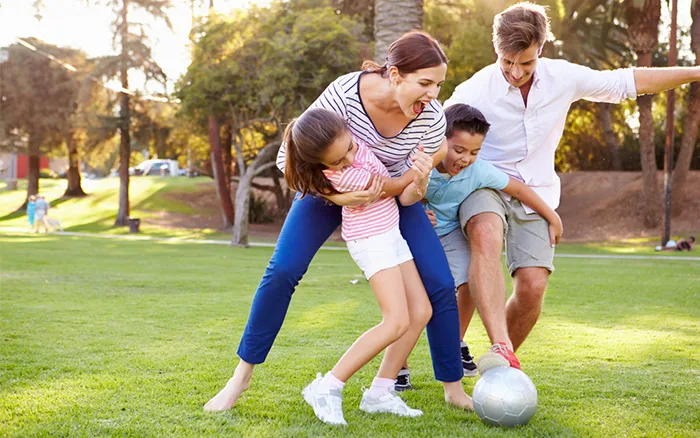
323	157
392	108
31	210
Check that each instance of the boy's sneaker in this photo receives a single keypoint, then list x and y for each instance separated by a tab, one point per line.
327	403
468	364
499	356
389	403
403	380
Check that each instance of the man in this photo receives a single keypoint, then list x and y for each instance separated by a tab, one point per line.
525	98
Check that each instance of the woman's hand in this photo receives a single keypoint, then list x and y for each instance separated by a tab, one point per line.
374	191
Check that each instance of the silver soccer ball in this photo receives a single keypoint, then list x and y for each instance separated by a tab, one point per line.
505	396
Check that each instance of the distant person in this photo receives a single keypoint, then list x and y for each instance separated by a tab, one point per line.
41	209
681	244
323	157
31	210
526	98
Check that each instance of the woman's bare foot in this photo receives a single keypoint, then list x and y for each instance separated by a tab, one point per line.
455	395
228	396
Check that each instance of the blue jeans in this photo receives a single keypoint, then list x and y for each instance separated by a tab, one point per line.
309	224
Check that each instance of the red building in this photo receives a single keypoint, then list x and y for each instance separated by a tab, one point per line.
23	165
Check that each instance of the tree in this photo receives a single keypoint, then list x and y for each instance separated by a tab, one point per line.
591	33
134	54
264	65
393	18
40	99
463	28
643	24
692	117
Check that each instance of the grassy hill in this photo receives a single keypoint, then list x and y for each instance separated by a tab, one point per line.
150	198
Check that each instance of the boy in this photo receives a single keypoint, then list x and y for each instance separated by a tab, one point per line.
451	182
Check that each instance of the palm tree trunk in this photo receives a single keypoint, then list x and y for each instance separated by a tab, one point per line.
226	152
33	170
124	122
605	110
393	18
692	118
651	206
74	188
690	137
223	190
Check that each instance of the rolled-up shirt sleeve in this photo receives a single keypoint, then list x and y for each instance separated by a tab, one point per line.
612	86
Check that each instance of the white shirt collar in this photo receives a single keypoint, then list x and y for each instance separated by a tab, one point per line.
504	85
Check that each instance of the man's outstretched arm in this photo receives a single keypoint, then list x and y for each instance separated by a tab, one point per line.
658	79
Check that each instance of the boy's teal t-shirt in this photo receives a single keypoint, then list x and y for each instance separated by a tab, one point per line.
445	194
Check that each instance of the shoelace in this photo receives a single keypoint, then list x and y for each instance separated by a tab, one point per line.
500	348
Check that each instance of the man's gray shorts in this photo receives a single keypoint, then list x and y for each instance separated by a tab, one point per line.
457	251
526	235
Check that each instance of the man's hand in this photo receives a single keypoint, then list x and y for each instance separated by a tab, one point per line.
431	217
556	229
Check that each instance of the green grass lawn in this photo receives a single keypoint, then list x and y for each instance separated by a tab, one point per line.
97	212
103	338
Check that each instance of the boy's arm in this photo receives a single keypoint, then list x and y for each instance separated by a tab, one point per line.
527	196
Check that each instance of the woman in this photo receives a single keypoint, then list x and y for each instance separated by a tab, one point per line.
393	109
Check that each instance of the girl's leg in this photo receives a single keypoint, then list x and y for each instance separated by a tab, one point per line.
324	393
379	398
388	288
419	311
443	328
308	225
466	307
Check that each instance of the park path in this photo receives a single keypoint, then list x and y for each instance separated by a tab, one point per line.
10	230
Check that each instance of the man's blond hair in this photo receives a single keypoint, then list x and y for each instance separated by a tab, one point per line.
519	27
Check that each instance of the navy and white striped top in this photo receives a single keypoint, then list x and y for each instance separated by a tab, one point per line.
343	97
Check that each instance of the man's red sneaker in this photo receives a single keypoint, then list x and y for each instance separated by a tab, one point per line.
499	356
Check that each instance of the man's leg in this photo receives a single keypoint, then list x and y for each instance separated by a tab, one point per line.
525	305
530	257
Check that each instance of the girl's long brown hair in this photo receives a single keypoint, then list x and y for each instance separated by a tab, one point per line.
307	138
415	50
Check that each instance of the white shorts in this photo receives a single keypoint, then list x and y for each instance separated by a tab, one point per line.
380	252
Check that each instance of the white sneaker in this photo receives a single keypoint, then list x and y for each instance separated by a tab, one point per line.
389	403
327	403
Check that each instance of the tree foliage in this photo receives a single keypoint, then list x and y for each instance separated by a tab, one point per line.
40	98
258	68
